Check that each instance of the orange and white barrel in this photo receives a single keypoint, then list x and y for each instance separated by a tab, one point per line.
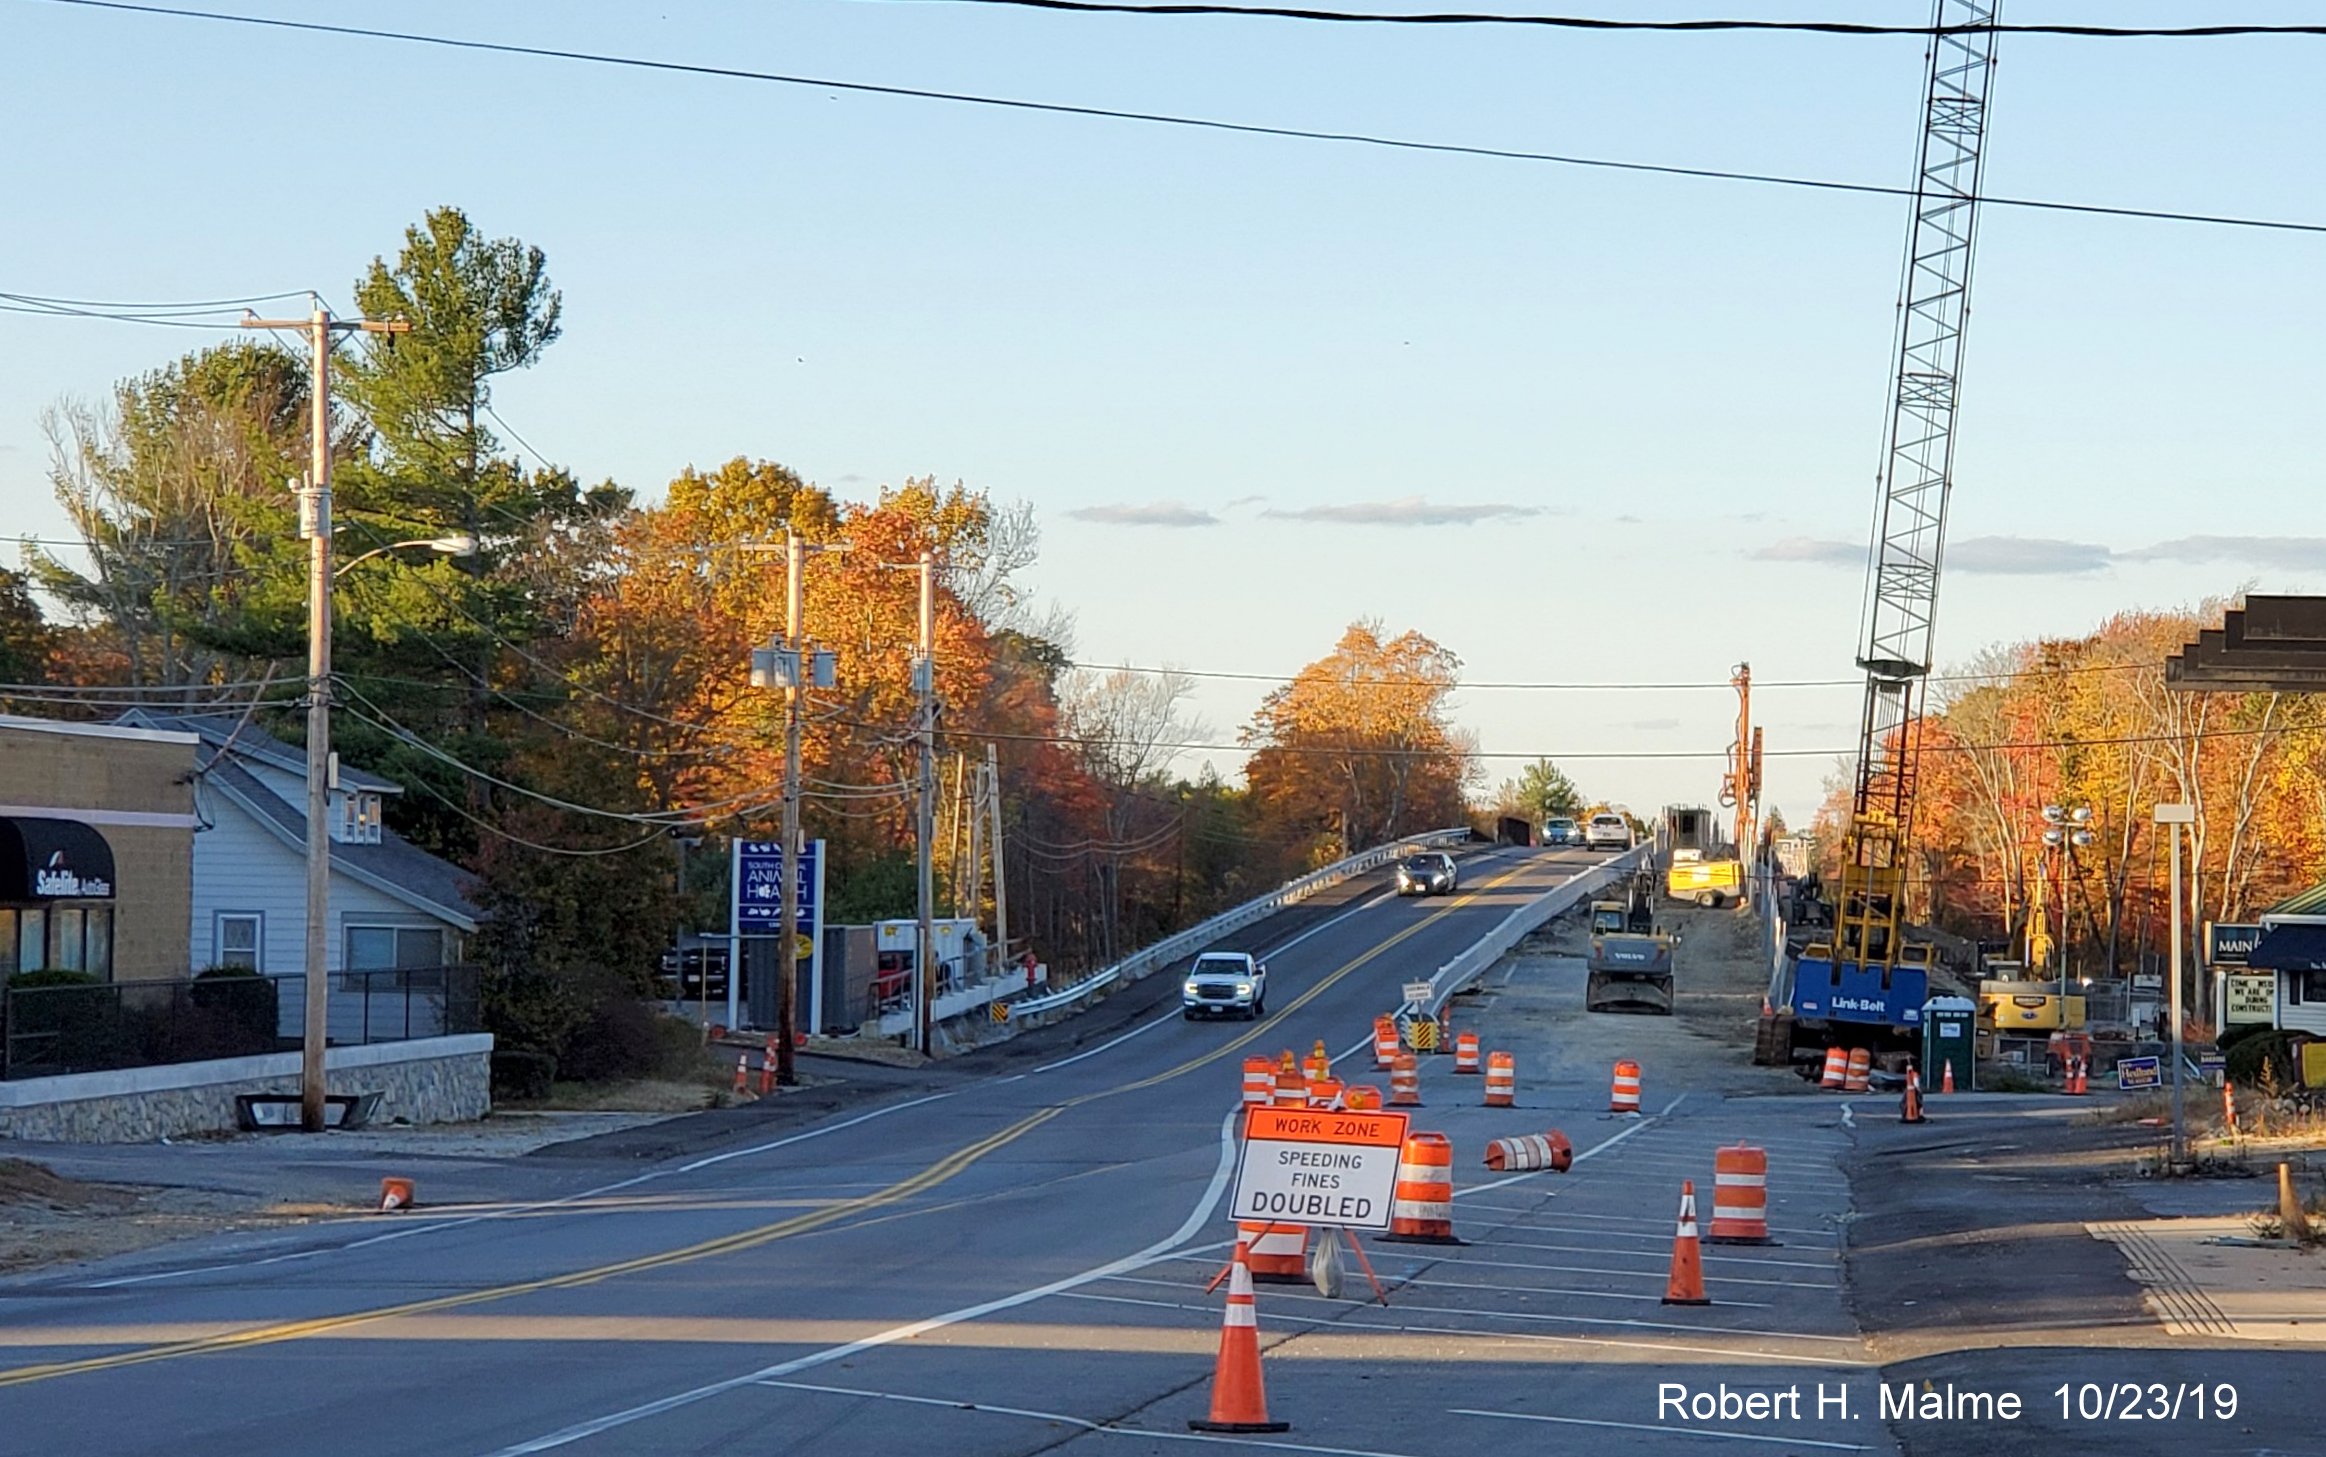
1836	1069
1501	1080
1858	1077
1384	1042
1466	1053
1259	1081
1740	1196
1291	1088
1531	1151
1279	1252
1624	1095
1421	1209
1324	1093
1405	1082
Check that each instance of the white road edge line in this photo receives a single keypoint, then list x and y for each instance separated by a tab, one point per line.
1666	1429
1153	1253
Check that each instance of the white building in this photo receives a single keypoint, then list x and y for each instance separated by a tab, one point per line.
393	905
2293	948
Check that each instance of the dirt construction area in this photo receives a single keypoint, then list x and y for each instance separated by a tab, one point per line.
1719	978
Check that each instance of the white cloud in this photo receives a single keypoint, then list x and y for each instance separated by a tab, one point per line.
1153	513
2026	556
2286	553
1409	511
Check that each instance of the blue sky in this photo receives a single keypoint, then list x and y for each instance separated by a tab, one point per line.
1657	403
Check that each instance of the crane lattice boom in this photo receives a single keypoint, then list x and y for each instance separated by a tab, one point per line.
1917	474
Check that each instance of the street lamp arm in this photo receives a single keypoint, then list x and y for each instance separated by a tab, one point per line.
459	544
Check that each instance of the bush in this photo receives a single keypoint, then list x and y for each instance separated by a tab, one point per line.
27	980
2268	1049
617	1039
2230	1037
522	1074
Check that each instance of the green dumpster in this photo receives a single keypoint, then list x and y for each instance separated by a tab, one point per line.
1949	1035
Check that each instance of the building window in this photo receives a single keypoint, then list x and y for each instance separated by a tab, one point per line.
58	936
392	948
237	939
358	819
2305	986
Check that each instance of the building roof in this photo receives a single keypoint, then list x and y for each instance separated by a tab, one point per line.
395	866
216	730
152	734
2311	902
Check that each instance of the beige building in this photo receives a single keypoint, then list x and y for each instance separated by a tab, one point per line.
96	849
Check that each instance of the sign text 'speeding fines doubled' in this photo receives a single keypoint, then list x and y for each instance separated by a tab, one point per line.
1316	1168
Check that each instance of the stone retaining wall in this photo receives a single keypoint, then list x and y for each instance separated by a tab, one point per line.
431	1080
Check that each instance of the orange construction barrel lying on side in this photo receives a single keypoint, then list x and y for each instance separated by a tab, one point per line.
1405	1082
1259	1082
1421	1208
1531	1151
1624	1095
1278	1253
1501	1080
1740	1196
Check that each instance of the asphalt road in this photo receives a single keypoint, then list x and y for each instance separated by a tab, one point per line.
1010	1259
646	1316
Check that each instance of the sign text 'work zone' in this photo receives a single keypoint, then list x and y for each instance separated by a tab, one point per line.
1306	1166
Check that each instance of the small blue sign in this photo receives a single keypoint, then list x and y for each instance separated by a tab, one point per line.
2134	1074
759	887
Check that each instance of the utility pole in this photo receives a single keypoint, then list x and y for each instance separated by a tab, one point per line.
1001	895
791	665
315	525
2170	818
924	820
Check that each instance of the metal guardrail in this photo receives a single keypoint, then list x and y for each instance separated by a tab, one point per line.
1140	963
1523	922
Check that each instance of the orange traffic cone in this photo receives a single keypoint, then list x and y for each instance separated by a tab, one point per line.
395	1194
742	1072
1687	1283
767	1070
1946	1079
1239	1398
1910	1106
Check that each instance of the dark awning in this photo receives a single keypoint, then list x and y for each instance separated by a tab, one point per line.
2289	948
50	859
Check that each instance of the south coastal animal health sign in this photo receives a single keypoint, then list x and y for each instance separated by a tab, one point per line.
1304	1166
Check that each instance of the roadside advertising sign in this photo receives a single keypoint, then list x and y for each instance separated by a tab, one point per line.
2249	997
2135	1074
1318	1168
1420	992
2229	944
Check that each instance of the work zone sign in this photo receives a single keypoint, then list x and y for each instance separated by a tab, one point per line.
1318	1168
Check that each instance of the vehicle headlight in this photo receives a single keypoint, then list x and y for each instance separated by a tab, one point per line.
1243	989
1189	989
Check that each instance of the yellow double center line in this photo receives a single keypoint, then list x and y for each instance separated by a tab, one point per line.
906	1188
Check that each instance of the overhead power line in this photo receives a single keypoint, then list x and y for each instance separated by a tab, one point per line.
1723	685
1154	118
1603	23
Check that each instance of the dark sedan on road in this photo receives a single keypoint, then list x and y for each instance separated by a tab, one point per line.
1430	874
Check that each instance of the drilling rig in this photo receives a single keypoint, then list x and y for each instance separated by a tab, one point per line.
1867	985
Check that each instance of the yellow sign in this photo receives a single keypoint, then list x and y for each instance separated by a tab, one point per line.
1000	1011
2249	997
1421	1033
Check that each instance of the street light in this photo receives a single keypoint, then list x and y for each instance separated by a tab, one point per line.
458	544
2171	817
